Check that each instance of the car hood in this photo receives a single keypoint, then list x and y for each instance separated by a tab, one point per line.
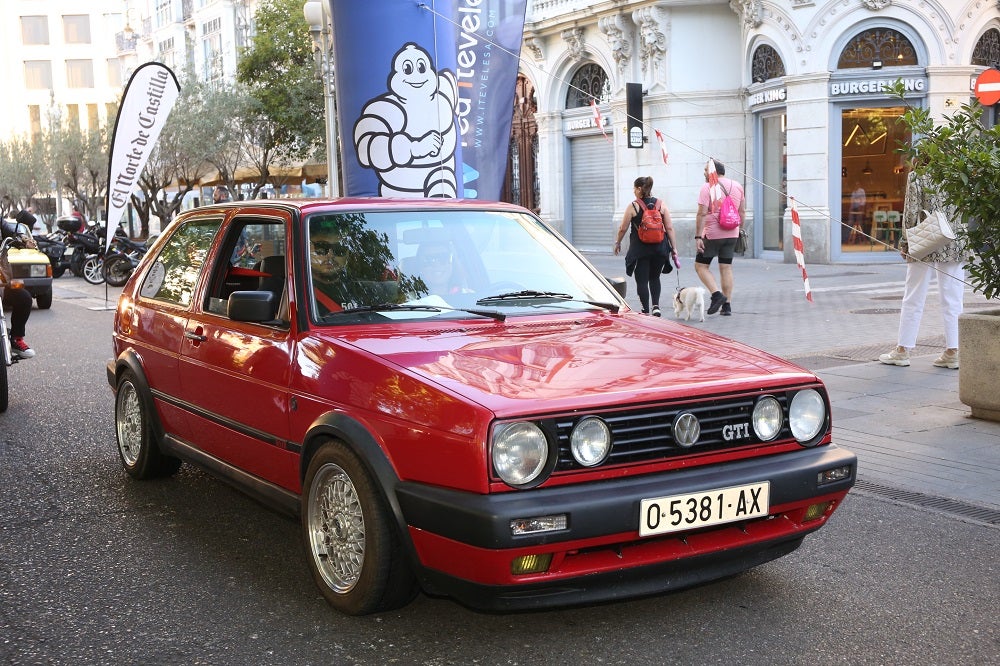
27	256
567	362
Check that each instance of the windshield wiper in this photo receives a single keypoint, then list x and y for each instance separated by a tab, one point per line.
383	307
553	295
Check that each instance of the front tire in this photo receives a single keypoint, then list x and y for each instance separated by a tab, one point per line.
4	387
137	446
354	548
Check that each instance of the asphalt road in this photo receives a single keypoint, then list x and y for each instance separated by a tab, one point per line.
96	568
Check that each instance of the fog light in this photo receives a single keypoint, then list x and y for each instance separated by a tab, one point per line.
816	511
520	526
528	564
835	474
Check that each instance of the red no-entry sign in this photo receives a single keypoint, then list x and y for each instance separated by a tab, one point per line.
988	87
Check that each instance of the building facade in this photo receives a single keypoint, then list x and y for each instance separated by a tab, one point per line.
791	95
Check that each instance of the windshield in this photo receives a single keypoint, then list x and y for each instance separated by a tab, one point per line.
406	265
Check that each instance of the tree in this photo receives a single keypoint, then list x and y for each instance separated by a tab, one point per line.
962	158
285	124
24	173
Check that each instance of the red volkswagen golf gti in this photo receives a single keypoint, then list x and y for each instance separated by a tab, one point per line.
452	399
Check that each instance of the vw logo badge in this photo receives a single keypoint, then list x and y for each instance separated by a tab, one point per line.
686	429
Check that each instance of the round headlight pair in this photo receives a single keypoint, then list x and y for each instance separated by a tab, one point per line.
806	416
521	450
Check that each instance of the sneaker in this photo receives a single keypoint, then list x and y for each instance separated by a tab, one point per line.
896	357
727	309
21	349
949	359
656	310
717	300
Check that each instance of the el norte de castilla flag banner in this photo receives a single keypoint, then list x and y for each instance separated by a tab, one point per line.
425	95
148	98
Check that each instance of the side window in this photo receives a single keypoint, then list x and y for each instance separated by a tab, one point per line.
174	274
252	258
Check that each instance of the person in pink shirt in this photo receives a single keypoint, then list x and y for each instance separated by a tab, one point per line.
713	241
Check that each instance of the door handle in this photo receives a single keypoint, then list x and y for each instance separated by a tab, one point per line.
197	337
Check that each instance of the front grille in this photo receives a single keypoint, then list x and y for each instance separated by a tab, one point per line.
645	434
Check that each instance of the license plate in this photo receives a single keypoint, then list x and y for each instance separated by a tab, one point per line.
674	513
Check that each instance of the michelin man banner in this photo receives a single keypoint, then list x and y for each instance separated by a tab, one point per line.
425	95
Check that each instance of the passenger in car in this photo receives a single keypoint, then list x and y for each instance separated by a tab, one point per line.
436	268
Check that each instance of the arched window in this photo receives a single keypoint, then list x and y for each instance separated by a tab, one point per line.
589	82
766	64
987	51
878	45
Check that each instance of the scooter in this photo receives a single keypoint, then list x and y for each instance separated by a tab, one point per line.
122	260
54	246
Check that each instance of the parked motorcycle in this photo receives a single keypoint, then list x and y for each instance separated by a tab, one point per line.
122	260
54	246
84	243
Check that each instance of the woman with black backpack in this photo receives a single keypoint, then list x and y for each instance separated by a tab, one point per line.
650	244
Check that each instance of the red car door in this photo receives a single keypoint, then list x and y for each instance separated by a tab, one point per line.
235	375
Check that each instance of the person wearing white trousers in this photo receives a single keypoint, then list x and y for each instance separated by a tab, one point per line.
947	264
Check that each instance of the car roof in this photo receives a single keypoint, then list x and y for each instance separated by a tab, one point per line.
355	203
310	204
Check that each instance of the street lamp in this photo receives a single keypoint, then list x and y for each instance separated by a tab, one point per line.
317	15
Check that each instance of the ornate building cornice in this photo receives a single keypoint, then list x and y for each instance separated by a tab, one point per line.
751	11
618	31
653	36
574	39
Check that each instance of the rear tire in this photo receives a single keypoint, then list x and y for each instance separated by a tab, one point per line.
44	301
137	446
354	549
93	269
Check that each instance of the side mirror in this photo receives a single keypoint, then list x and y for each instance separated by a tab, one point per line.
255	306
619	284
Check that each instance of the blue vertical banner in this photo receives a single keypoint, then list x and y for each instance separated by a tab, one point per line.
425	95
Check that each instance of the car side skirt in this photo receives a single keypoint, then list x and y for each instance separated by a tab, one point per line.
267	493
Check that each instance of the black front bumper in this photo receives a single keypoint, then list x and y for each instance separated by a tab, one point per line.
610	507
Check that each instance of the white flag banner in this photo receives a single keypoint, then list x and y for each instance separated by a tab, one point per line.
148	98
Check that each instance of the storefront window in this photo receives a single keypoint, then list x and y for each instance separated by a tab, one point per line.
873	178
773	177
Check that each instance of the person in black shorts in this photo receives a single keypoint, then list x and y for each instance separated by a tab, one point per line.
713	241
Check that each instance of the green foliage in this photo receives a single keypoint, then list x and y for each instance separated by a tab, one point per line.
279	72
962	158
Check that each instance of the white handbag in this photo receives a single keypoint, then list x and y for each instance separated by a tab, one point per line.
929	235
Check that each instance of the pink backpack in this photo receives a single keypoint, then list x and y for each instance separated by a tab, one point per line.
729	214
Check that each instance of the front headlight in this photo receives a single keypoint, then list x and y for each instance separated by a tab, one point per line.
590	441
767	418
38	270
520	452
806	415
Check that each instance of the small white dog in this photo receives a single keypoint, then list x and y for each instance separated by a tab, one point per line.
689	300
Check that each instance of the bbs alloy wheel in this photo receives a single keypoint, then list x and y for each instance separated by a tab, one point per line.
353	545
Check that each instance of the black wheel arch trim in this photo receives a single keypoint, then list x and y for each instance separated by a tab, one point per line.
130	360
360	440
